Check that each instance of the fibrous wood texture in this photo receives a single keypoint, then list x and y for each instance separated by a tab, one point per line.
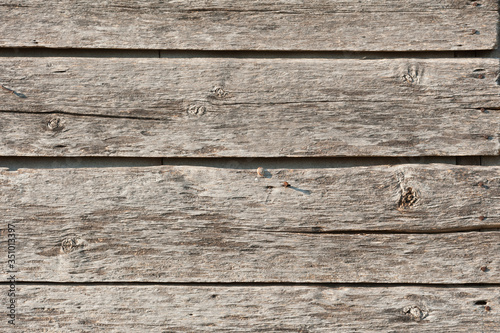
251	25
160	308
214	107
193	224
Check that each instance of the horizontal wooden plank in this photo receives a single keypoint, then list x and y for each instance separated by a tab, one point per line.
256	309
251	25
216	107
195	224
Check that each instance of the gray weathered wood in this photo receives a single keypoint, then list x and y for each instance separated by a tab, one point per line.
193	224
212	107
251	25
256	309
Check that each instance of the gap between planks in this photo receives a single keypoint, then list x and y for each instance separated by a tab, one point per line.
253	284
17	162
139	53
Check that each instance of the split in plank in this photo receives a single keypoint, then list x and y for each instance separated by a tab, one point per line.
194	224
251	25
220	107
257	309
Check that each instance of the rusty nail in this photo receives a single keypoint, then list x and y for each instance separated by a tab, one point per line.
483	110
481	218
474	32
487	137
285	184
260	172
480	184
475	4
484	268
480	76
487	308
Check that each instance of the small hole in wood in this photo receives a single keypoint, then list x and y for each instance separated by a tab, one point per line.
481	302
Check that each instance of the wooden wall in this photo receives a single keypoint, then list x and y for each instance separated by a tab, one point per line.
250	166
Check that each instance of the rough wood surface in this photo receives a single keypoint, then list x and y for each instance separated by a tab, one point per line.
194	224
256	309
251	25
215	107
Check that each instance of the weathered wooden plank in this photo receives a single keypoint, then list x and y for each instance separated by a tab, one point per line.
192	224
255	309
447	197
249	107
251	25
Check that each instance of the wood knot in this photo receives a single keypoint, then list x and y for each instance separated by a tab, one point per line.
408	78
408	198
197	110
412	75
54	124
415	313
71	244
219	92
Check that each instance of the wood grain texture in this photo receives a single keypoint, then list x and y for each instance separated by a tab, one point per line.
250	25
221	107
194	224
256	309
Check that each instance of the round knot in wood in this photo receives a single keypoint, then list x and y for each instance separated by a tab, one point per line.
408	198
408	78
54	124
415	312
71	244
219	92
197	110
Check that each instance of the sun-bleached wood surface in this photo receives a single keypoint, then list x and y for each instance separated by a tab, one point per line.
158	308
195	224
221	107
251	25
